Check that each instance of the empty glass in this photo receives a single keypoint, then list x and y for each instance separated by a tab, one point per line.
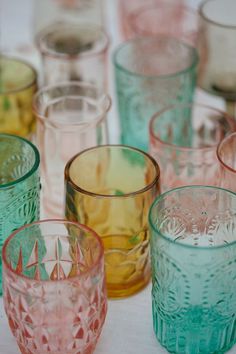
151	73
193	251
110	189
183	140
54	287
18	83
226	153
19	186
74	52
70	117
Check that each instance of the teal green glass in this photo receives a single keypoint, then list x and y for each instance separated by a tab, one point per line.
19	186
193	256
151	73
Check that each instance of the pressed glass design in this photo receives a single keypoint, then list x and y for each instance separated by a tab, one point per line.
110	189
54	288
193	251
19	186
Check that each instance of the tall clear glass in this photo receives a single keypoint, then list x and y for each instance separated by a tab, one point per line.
193	251
70	117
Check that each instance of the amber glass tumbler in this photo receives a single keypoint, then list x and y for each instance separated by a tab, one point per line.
110	189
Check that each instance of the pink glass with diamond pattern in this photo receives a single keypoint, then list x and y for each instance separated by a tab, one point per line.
54	287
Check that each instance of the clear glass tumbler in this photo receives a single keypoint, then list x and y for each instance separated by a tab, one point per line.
54	287
71	117
19	186
193	252
18	83
151	73
73	52
110	189
184	139
226	153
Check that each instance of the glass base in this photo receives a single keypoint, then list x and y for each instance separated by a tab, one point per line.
122	291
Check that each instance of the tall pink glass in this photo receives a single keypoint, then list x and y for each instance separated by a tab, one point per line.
71	117
54	287
226	153
183	140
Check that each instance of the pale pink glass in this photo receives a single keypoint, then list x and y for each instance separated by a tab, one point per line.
183	140
174	20
71	117
73	52
226	153
127	7
54	287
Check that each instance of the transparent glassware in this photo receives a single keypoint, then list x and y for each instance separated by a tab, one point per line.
73	52
54	287
47	12
193	252
217	50
19	186
18	83
151	73
226	153
184	139
172	19
70	117
110	189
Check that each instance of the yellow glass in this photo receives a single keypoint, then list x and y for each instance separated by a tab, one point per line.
18	83
110	188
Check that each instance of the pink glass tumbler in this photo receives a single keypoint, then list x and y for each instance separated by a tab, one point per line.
226	153
54	287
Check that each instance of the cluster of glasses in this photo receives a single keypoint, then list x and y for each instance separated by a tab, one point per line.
82	218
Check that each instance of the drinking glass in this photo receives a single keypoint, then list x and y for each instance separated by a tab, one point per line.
151	73
54	287
226	153
193	252
183	140
73	52
110	189
165	18
19	186
70	117
18	82
217	49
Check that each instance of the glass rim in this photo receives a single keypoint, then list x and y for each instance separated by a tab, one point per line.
207	19
31	170
158	114
134	15
32	82
54	221
45	89
128	42
86	54
113	196
162	196
220	145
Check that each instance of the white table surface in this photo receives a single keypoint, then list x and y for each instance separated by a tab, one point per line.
128	326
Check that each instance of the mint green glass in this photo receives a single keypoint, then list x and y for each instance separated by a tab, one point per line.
151	73
19	186
193	253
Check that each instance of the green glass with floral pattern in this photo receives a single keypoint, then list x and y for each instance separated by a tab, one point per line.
193	253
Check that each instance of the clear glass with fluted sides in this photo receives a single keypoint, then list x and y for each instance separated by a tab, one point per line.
226	153
184	139
19	186
151	73
18	83
173	19
71	117
110	189
193	252
73	52
54	287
